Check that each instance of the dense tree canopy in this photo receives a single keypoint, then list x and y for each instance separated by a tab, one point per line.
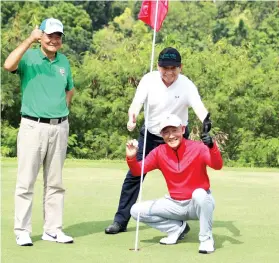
229	50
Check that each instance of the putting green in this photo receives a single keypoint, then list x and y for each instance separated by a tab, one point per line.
245	220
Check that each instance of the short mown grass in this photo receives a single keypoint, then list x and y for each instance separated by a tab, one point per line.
246	218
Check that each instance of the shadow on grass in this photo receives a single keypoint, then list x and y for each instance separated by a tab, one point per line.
192	236
88	228
93	227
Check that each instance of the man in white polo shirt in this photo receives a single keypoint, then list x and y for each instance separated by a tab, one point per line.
167	92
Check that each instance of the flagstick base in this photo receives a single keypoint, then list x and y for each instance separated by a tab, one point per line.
133	249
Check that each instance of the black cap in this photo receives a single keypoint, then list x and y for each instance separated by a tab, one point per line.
169	57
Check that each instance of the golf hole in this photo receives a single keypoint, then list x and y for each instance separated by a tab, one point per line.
132	249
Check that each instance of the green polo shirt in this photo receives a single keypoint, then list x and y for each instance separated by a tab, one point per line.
44	84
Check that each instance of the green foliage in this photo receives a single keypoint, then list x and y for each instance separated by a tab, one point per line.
257	152
192	27
229	50
9	10
8	140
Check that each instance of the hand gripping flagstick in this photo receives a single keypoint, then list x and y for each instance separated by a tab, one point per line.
145	130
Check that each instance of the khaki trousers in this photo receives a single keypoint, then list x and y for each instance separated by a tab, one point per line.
40	144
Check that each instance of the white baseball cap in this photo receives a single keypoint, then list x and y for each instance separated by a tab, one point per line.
170	120
52	25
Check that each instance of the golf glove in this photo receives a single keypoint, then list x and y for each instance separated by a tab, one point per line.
206	124
207	140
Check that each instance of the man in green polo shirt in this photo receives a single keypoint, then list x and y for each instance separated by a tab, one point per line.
47	89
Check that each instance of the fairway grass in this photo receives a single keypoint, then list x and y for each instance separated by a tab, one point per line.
246	218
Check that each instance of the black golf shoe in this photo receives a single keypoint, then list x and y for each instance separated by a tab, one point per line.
115	228
185	231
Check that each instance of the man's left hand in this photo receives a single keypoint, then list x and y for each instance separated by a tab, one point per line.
206	124
207	140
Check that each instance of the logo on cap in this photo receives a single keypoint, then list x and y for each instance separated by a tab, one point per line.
169	57
52	25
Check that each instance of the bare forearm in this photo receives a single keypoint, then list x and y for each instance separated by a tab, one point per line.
15	56
69	96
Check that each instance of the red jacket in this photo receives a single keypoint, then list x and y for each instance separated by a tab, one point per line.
184	169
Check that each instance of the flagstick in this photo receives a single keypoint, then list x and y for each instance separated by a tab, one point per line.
145	130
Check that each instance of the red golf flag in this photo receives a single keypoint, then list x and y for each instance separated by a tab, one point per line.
148	9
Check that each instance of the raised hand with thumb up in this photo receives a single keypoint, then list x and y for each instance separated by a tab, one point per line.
36	34
206	138
206	124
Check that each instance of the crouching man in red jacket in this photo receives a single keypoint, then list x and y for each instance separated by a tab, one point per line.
183	164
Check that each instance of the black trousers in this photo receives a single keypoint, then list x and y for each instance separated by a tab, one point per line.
131	185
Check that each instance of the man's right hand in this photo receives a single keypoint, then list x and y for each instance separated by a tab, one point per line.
131	148
131	124
15	56
36	35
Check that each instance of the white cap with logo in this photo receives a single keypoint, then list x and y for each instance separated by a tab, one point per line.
170	120
51	25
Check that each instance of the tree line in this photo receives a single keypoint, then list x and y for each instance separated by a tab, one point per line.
229	50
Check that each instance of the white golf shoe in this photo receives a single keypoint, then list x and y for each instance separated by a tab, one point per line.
172	238
207	246
23	239
59	237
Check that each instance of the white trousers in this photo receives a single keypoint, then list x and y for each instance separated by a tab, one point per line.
40	144
166	214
